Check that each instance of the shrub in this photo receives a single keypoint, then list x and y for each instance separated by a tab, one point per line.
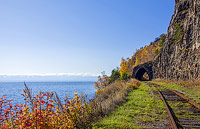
133	84
44	110
111	96
125	76
162	40
179	32
115	75
157	52
103	82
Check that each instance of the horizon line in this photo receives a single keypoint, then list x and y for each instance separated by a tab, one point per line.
53	74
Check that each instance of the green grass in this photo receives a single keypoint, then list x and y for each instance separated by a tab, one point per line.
180	113
192	93
141	110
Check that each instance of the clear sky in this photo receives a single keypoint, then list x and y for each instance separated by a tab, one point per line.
76	36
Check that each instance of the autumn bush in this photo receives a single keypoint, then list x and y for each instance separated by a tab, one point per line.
103	82
45	111
110	97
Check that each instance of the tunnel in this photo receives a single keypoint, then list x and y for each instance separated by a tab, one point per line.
143	71
140	75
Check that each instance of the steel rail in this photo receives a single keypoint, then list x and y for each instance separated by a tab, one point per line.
182	96
186	99
171	118
192	103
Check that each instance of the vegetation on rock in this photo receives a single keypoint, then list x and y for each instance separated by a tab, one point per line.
143	55
179	32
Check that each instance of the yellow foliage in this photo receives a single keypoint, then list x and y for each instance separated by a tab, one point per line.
43	112
101	83
124	66
146	54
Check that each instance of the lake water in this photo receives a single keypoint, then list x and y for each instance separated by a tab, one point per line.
13	90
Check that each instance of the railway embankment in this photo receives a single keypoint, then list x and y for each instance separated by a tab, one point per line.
142	109
145	109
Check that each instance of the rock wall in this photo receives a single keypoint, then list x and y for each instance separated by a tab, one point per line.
179	59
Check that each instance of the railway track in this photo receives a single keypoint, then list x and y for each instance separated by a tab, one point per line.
183	113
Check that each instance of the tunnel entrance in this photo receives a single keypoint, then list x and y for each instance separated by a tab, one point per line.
142	75
143	72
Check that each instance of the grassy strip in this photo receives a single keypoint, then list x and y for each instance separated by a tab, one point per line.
141	110
191	92
179	108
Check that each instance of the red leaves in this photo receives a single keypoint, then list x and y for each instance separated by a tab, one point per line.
43	95
50	106
51	101
9	101
5	127
42	101
40	110
5	108
7	111
18	105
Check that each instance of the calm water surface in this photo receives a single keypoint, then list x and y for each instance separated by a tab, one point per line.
13	90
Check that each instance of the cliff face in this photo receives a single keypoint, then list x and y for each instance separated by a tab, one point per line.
180	56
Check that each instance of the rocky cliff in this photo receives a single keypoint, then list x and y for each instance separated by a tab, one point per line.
180	56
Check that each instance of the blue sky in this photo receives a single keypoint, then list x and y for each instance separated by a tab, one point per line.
76	36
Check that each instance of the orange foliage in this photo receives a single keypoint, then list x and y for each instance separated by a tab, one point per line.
102	83
43	111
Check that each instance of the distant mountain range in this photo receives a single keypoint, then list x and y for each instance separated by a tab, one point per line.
49	77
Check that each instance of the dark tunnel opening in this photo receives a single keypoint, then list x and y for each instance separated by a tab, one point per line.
142	75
